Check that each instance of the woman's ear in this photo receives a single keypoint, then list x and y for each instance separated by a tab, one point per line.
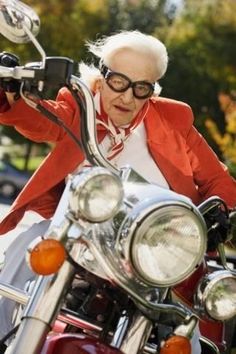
97	85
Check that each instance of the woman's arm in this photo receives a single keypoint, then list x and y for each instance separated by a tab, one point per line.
34	125
211	175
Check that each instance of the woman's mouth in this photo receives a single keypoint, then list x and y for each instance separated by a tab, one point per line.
122	109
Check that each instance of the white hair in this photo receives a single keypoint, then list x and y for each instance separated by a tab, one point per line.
107	46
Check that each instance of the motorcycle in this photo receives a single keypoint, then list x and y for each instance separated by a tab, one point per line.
119	251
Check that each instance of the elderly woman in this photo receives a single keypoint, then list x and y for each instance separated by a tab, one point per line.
154	135
126	96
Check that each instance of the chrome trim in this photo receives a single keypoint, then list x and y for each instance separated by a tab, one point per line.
221	251
78	322
210	344
93	152
131	223
120	331
136	291
131	336
128	174
205	288
78	183
187	329
42	309
12	293
209	204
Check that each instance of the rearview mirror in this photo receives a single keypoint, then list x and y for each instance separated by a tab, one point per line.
15	16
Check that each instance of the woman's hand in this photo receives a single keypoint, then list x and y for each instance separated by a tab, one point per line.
11	97
11	87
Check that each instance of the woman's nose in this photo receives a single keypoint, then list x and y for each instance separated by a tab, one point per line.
128	95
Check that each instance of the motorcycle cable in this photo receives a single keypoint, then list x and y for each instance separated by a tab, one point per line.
59	122
3	346
52	117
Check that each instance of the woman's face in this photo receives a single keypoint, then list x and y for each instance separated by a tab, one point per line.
122	107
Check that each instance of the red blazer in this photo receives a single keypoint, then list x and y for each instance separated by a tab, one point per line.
185	159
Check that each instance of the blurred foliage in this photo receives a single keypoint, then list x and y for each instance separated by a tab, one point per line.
202	59
200	37
66	25
227	140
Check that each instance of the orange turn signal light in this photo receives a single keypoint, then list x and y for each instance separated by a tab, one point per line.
176	344
46	256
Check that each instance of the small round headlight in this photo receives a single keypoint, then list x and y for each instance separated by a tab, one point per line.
164	244
217	294
96	194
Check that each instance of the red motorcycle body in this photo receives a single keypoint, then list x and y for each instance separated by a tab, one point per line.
62	343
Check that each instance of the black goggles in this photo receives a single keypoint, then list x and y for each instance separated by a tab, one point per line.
120	83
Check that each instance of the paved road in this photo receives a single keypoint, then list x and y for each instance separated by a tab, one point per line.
6	239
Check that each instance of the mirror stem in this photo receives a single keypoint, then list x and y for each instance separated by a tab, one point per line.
36	44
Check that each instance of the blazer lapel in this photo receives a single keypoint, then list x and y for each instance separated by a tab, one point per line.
167	148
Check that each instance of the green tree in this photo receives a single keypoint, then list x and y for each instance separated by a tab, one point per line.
201	45
144	15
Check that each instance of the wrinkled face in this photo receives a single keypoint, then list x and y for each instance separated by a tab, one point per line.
122	107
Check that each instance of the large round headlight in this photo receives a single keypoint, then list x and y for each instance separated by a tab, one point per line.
163	244
96	194
217	295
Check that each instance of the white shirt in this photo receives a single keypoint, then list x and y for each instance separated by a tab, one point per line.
136	155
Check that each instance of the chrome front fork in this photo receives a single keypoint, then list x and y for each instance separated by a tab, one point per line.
131	336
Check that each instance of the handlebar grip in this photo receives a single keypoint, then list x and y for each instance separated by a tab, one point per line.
232	218
55	72
9	60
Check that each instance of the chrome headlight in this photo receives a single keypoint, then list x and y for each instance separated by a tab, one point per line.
217	295
96	194
163	243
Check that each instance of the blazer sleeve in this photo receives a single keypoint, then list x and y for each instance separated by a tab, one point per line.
211	176
34	125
